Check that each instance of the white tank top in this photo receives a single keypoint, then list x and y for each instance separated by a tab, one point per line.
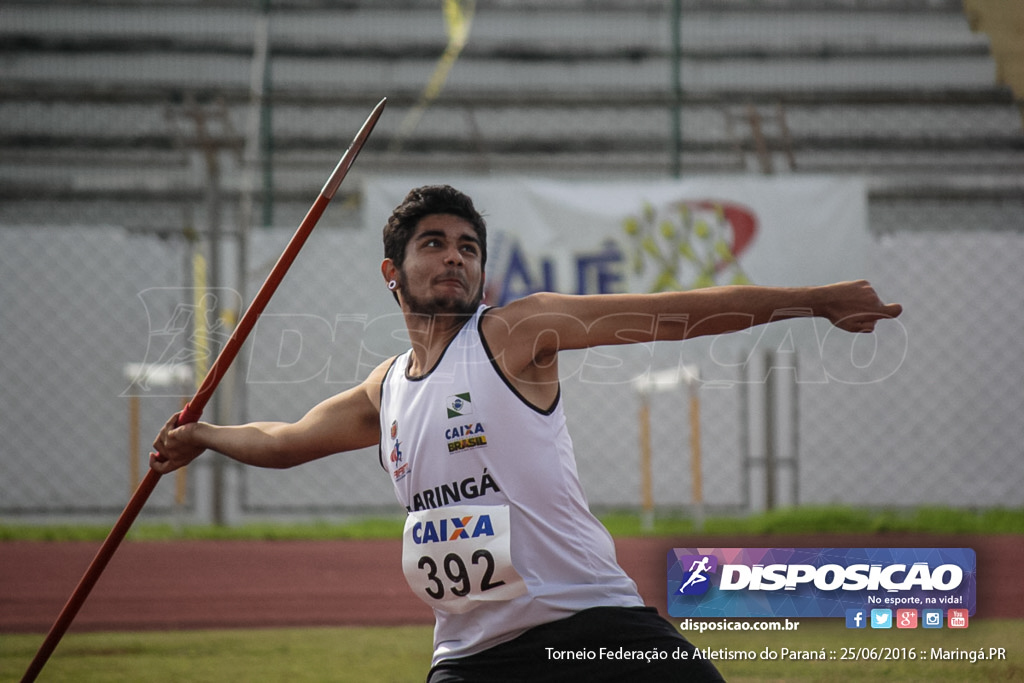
462	436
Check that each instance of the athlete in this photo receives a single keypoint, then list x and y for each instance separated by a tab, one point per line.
470	427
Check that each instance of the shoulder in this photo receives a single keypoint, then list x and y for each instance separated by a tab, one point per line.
526	330
530	311
373	383
545	321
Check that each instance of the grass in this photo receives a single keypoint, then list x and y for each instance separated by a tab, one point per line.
825	519
381	655
832	519
368	528
293	655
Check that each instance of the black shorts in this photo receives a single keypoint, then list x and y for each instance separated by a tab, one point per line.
600	644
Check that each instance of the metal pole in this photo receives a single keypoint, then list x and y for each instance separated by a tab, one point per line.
252	155
743	432
696	456
646	483
795	436
133	439
677	89
769	431
213	208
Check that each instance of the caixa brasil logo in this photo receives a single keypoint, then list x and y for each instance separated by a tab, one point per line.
817	582
452	529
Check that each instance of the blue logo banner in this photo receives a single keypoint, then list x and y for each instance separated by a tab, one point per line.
818	582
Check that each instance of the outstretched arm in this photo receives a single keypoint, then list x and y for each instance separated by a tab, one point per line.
548	323
347	421
526	335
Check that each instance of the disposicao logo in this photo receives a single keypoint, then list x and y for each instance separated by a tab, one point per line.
817	582
696	580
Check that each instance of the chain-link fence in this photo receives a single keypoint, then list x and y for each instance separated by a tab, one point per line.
115	171
933	420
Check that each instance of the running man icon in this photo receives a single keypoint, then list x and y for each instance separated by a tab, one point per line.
698	569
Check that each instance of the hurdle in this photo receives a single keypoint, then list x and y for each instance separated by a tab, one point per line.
662	381
170	376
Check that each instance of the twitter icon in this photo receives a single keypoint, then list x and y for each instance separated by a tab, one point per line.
881	618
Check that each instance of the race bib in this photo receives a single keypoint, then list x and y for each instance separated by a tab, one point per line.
456	557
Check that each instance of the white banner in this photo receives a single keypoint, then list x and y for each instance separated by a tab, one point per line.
585	237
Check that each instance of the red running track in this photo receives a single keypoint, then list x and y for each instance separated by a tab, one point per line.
229	584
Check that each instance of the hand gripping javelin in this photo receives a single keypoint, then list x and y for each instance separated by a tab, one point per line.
194	408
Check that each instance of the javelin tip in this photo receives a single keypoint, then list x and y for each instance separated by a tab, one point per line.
332	184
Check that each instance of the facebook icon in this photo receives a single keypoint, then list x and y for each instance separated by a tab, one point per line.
856	618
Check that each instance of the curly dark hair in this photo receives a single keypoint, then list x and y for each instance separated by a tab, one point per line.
426	201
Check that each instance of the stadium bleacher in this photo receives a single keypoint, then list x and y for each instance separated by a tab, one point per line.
128	113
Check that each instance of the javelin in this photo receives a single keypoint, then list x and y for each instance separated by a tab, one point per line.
193	410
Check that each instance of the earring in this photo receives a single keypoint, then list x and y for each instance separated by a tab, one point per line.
392	285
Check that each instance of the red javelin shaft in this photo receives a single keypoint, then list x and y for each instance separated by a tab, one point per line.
194	408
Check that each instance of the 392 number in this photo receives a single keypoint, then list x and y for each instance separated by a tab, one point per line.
454	569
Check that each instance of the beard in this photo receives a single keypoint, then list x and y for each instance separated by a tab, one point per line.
453	305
